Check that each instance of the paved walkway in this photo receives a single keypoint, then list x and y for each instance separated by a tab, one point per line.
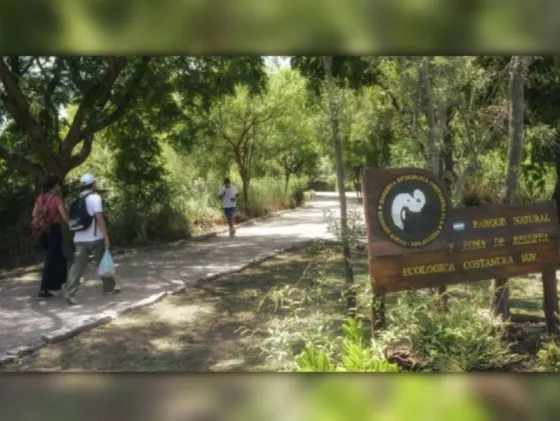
24	321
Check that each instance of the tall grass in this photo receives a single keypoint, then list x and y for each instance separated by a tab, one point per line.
311	332
465	338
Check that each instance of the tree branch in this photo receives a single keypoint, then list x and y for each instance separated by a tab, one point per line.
123	105
21	163
18	107
49	91
75	75
114	68
79	158
16	67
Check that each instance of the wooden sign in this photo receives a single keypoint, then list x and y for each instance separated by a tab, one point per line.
417	240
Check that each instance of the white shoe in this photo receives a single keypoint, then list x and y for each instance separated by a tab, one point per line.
72	301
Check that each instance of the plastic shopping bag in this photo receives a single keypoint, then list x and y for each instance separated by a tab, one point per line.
106	266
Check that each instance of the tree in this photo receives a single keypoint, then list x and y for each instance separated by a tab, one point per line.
366	130
293	141
35	88
348	71
239	122
500	301
37	139
337	148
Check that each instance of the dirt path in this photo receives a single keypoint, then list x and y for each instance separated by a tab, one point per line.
24	322
197	331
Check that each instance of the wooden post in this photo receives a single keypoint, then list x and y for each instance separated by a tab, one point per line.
500	298
550	300
444	298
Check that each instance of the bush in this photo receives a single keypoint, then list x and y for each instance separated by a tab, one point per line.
17	245
269	194
487	184
549	357
461	339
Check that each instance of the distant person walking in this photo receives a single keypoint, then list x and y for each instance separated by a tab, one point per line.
228	194
48	214
90	237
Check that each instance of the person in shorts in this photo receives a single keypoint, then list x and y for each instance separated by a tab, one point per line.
228	194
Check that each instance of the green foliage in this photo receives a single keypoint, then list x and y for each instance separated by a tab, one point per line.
549	357
16	202
355	356
314	360
323	177
461	339
293	143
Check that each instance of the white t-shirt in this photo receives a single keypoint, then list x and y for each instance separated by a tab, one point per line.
230	193
94	205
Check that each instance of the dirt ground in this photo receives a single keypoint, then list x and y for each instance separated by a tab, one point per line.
195	331
202	329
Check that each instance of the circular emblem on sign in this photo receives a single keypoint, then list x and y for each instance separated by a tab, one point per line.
412	210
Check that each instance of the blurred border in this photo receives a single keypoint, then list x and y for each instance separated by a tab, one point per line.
274	27
279	27
179	397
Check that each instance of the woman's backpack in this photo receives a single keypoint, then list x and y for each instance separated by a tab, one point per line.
40	225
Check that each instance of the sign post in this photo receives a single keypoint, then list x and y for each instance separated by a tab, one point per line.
417	240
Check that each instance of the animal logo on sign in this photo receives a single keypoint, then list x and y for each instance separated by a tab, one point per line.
404	202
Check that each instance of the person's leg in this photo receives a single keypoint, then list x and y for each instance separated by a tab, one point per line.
79	264
61	263
59	269
68	248
232	218
229	212
109	284
48	267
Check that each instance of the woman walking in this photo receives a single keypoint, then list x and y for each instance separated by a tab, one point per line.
50	209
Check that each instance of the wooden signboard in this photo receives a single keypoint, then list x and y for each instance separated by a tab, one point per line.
417	240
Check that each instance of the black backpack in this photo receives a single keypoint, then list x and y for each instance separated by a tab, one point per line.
80	219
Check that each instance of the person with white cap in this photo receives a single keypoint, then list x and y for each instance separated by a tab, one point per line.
90	237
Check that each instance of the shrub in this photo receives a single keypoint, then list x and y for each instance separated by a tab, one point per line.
549	357
16	203
461	339
353	355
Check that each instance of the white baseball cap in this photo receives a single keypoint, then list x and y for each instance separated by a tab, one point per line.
87	179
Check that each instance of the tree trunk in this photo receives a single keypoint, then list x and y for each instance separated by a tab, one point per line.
550	301
448	163
432	142
348	271
286	181
433	155
245	187
500	299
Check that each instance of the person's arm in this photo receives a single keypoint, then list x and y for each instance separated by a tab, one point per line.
35	210
62	211
100	219
103	228
233	193
221	192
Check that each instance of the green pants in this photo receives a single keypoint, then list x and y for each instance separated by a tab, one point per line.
80	262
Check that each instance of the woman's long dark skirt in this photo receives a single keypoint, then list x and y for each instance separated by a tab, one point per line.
54	272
